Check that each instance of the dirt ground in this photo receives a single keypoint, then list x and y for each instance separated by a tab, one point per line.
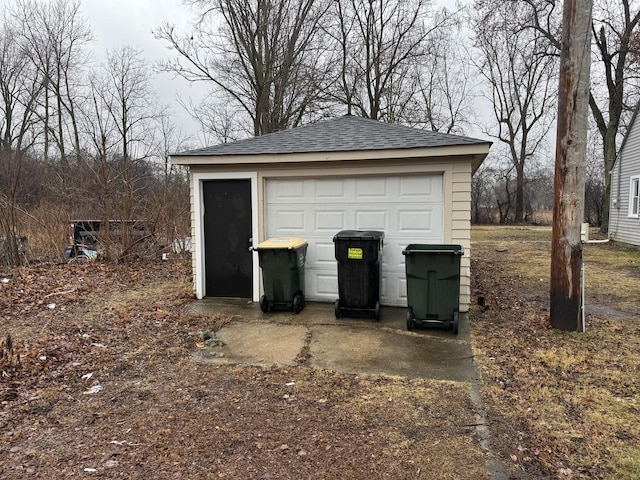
101	378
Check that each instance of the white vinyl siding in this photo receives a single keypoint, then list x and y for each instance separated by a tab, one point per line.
624	212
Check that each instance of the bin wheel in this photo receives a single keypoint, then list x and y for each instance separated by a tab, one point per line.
410	322
454	325
264	305
336	309
298	303
377	312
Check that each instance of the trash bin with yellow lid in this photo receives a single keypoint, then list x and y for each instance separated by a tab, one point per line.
282	262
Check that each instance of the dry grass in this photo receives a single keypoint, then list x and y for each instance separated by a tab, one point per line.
567	402
560	405
163	414
505	235
612	275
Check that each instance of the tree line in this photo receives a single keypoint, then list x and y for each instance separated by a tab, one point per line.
87	140
488	65
519	51
79	139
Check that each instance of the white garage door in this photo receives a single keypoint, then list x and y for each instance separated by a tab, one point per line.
408	209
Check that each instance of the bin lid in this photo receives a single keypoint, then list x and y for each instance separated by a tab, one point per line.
291	243
359	235
432	249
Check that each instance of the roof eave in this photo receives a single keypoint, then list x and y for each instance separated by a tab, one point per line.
478	152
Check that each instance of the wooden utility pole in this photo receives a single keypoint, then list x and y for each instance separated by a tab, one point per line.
571	146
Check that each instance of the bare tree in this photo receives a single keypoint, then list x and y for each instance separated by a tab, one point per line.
119	124
169	139
444	80
614	88
130	100
218	120
537	199
103	131
594	178
20	88
50	39
505	193
100	130
53	36
614	27
483	195
520	70
266	57
169	205
376	44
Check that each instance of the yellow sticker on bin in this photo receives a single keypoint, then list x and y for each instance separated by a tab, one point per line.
354	253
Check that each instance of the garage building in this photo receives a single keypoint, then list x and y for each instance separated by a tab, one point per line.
345	173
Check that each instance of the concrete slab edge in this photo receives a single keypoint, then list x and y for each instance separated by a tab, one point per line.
496	469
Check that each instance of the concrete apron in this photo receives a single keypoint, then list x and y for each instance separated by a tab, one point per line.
314	337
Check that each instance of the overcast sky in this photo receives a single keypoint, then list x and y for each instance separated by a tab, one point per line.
117	23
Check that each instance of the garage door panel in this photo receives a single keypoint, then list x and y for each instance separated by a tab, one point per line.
393	289
368	189
289	221
414	220
383	289
408	209
423	189
325	254
323	285
330	190
370	220
420	225
392	257
288	191
329	220
402	289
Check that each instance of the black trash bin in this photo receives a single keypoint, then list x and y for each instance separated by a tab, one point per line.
433	285
358	254
282	261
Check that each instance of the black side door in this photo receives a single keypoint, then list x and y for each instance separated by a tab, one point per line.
227	238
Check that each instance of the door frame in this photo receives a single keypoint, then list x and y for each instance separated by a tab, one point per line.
198	207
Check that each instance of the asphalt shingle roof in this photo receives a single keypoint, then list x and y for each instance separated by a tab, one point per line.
347	133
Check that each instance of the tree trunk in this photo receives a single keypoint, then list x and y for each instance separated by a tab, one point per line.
568	211
609	151
519	215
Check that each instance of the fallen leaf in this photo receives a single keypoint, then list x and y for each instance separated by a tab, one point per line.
94	389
